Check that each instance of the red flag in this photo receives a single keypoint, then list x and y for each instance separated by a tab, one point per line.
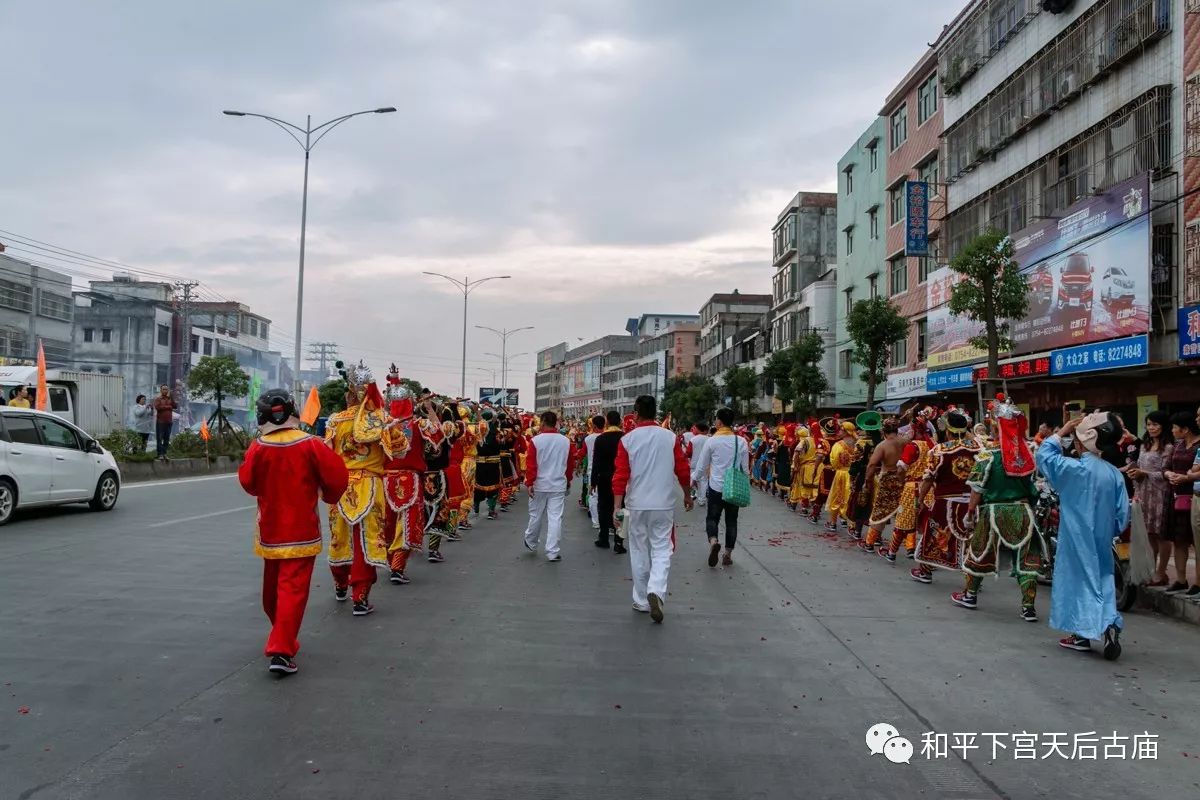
312	407
43	391
205	433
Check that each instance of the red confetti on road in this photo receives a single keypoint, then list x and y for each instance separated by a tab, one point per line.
23	710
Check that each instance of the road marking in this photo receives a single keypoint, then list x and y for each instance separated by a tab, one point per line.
142	484
201	516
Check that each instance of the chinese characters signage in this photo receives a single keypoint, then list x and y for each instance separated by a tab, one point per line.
1189	332
906	384
916	220
1131	352
1015	370
944	379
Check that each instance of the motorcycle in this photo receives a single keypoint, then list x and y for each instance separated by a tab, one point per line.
1046	514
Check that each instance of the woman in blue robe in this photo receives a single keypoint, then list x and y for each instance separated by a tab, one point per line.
1093	508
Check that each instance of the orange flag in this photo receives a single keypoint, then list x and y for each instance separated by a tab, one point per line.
43	391
312	408
205	433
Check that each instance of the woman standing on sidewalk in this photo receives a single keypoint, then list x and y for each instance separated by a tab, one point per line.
1186	431
724	450
1153	493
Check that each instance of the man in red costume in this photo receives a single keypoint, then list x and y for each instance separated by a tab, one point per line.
288	471
402	477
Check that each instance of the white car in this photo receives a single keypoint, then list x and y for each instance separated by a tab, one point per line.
1117	287
45	460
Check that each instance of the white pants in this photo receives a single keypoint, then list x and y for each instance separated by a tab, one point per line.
650	547
547	506
593	510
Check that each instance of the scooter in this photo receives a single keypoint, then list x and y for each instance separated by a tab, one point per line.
1047	516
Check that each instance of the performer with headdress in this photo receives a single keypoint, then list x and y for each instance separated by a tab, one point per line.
470	440
804	470
868	424
943	534
830	432
1001	511
358	534
783	460
487	463
508	461
841	456
288	471
914	461
887	481
456	485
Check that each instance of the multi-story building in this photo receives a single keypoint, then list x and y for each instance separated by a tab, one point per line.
35	305
548	382
1062	129
671	353
912	120
720	318
862	219
583	372
652	324
804	244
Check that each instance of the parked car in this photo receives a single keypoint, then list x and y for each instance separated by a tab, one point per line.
45	460
1075	283
1117	288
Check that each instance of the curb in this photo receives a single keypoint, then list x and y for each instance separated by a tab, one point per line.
1170	605
137	472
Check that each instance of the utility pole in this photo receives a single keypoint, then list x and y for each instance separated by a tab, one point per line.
185	306
323	353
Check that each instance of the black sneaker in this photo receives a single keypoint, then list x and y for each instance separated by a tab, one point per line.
453	537
436	557
1029	613
1112	643
867	548
504	509
619	550
601	543
1194	591
911	555
887	555
363	608
340	593
1076	643
856	535
399	578
714	553
493	515
1176	587
656	608
282	665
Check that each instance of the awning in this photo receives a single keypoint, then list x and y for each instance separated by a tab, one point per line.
892	406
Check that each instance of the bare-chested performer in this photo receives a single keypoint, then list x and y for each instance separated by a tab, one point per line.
890	481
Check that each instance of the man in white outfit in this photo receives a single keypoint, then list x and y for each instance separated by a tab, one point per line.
650	471
548	468
589	443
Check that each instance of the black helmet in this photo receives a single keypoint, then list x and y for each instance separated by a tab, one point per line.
275	407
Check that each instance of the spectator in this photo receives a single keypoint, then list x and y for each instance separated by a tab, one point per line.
724	450
20	397
164	411
1179	473
143	420
1151	490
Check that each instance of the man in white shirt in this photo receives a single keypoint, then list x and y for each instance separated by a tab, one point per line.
650	467
724	450
548	468
589	444
694	448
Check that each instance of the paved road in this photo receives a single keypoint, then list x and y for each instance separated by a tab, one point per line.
131	641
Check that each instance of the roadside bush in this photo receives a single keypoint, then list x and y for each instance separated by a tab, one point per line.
126	445
189	444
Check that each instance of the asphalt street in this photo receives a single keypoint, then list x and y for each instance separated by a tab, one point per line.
130	657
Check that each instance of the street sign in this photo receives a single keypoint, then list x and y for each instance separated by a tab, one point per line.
1133	351
1189	332
916	218
942	379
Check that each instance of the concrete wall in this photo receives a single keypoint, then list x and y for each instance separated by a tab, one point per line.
22	317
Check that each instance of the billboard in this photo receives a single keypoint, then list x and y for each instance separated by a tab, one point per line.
495	395
1089	280
551	356
582	377
1189	332
906	384
916	219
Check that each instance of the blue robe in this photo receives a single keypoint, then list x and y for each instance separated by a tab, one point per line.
1093	509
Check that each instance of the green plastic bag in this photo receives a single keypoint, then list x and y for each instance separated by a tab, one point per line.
736	490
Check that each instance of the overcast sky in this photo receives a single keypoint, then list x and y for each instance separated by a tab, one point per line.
615	157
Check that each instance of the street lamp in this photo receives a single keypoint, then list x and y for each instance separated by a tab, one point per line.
466	286
504	334
504	368
307	145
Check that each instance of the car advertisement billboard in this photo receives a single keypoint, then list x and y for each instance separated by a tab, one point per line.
1088	273
494	395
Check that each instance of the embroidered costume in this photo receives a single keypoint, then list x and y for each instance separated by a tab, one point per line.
941	540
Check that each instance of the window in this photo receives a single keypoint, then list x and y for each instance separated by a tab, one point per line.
88	334
924	267
899	272
58	399
873	156
106	335
922	333
54	306
900	353
195	343
263	329
162	374
850	180
253	327
850	241
16	296
927	99
873	284
21	429
899	126
929	173
844	364
849	301
164	335
873	217
57	434
897	201
207	346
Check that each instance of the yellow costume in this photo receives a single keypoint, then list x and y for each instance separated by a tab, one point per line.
806	464
841	490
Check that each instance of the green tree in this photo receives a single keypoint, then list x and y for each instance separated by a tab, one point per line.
779	369
413	386
333	396
874	326
808	381
992	291
215	378
742	387
690	399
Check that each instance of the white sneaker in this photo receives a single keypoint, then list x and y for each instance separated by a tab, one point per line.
595	526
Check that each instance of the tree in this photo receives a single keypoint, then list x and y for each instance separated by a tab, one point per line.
333	396
690	398
741	385
413	386
779	370
808	380
874	326
215	378
992	291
